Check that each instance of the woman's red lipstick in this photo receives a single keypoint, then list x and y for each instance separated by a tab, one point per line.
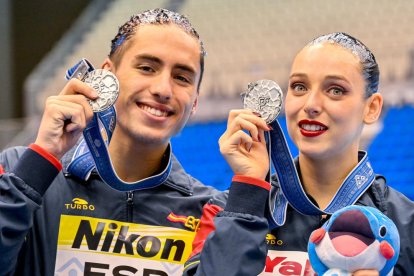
310	128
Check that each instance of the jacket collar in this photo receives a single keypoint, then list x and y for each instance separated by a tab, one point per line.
178	179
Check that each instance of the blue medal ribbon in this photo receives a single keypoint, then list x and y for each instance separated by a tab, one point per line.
82	163
291	190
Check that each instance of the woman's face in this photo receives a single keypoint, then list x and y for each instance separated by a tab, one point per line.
325	104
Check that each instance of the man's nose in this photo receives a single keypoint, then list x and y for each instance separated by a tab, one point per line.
162	86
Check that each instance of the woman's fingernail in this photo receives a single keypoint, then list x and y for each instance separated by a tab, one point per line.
257	114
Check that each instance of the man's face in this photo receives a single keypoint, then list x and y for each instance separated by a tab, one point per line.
158	75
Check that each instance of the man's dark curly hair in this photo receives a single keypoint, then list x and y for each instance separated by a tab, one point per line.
152	17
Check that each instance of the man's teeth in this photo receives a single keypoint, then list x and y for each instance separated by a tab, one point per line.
155	112
312	127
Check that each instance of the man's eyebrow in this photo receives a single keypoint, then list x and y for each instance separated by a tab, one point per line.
149	58
186	68
154	59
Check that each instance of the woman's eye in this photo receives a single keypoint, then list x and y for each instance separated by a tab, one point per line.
336	91
298	87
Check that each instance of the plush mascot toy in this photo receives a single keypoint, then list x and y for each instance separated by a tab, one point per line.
354	238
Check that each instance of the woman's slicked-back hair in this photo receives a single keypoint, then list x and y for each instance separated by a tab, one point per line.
370	69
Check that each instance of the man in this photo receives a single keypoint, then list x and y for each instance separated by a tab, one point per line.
52	222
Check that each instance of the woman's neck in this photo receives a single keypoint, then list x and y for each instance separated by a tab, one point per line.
134	161
321	178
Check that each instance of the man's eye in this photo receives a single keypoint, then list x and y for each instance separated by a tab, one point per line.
146	68
183	79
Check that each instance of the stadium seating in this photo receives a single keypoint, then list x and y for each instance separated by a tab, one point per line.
392	150
197	149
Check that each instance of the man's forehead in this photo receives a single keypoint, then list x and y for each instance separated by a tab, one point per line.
153	36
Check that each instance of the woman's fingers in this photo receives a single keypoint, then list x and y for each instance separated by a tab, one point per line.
245	120
237	139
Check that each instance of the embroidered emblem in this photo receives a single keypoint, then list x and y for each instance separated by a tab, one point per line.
360	180
79	204
189	221
272	240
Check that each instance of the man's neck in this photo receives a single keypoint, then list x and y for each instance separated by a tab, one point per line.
134	162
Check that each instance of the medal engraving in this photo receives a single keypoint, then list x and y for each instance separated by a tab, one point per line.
264	97
107	86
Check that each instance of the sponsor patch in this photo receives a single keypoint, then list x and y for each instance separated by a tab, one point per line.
189	221
287	263
92	246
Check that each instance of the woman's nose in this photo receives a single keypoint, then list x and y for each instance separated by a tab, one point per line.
313	103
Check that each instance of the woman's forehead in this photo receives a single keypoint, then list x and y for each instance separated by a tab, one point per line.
326	53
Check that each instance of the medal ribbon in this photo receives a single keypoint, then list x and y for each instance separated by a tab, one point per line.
291	190
92	151
82	162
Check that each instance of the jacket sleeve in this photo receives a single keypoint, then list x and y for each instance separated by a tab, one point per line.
24	179
401	210
232	241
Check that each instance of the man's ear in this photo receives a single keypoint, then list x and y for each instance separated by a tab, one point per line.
194	107
108	65
373	108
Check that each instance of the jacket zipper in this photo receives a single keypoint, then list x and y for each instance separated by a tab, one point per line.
130	205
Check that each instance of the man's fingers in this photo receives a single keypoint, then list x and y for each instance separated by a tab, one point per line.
75	87
78	102
68	113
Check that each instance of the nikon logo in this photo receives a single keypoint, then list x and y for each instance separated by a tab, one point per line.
79	204
113	237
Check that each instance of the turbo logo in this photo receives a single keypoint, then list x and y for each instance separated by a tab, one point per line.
79	204
271	240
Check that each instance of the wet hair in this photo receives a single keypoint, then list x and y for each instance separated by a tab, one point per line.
370	69
153	17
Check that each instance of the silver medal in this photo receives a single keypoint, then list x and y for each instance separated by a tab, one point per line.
106	85
264	97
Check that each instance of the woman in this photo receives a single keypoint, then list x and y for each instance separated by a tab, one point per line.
332	94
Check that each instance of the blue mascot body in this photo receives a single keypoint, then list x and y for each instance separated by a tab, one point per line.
354	238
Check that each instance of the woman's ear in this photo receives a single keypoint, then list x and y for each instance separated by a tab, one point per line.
107	64
373	108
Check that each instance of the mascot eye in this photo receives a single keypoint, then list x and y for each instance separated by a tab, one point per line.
383	231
